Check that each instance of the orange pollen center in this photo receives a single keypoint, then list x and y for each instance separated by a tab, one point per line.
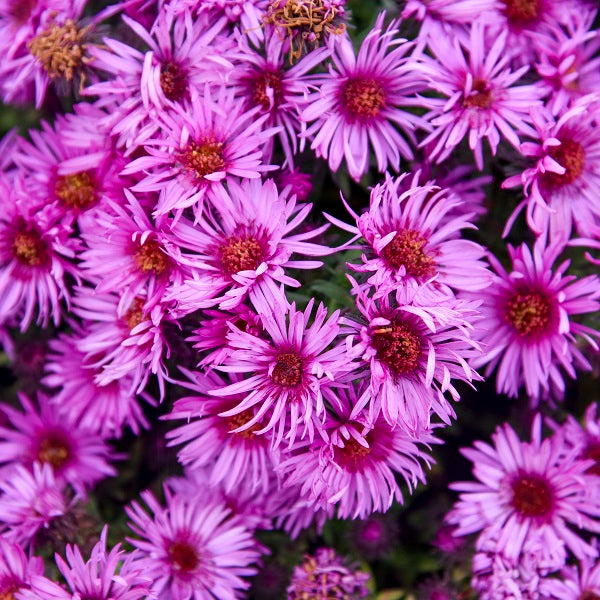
60	49
77	190
173	81
259	92
521	12
183	556
150	259
353	453
406	250
29	249
593	452
240	253
532	496
588	595
481	96
570	155
241	419
363	98
203	157
288	370
528	313
135	314
398	347
53	450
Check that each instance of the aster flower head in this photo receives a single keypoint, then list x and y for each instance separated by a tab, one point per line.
325	574
232	457
35	253
561	187
414	352
101	409
16	569
525	490
184	55
241	244
286	369
104	576
49	436
480	98
412	234
193	548
530	333
358	105
354	466
199	148
581	581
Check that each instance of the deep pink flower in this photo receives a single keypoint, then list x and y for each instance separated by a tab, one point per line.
561	189
35	253
480	99
197	149
527	327
49	436
102	409
355	468
184	54
326	575
241	244
16	569
210	440
580	582
358	105
414	352
412	233
193	548
286	368
527	491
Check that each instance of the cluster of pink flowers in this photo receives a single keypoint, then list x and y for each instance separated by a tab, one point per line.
159	231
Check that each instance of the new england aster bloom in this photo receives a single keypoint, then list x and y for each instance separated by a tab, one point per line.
105	576
358	104
412	234
527	490
561	189
184	55
16	569
326	575
194	548
287	368
414	352
240	243
196	150
35	253
480	100
527	322
578	582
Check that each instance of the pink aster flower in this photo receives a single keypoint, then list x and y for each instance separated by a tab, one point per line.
527	490
326	575
31	501
260	77
105	576
184	54
242	242
193	548
561	189
198	149
35	253
358	105
102	409
414	353
480	98
286	368
127	252
48	436
355	468
582	581
412	238
300	183
16	569
528	329
211	440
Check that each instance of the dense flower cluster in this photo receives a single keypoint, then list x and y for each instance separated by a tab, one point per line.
163	241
